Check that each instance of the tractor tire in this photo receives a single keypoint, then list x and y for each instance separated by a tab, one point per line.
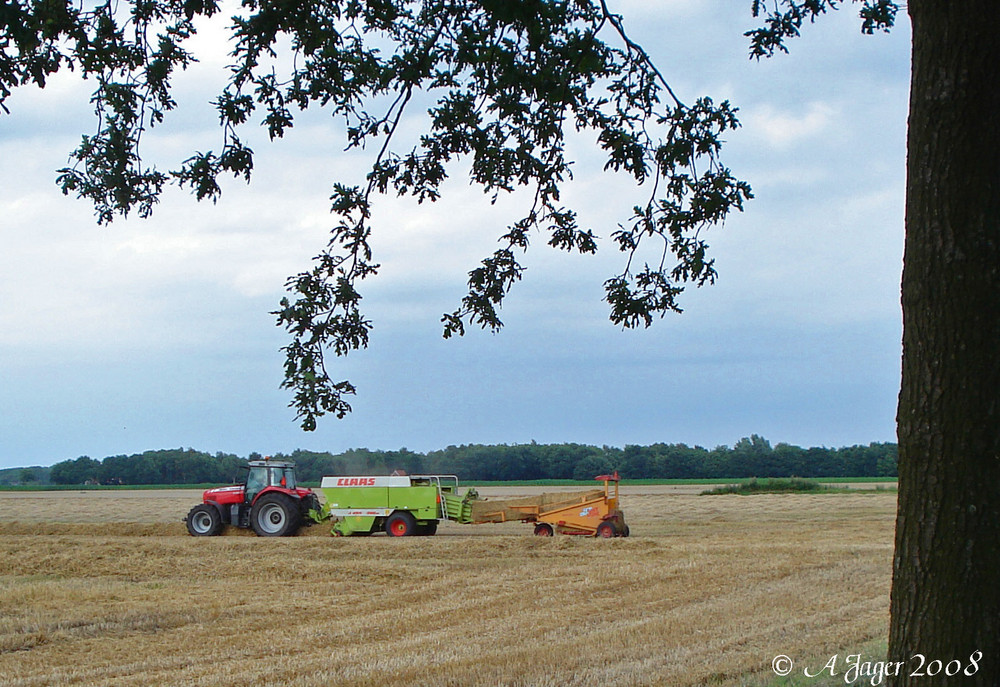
606	530
401	524
428	530
203	521
544	529
275	515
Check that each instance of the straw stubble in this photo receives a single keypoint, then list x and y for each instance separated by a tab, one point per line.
706	591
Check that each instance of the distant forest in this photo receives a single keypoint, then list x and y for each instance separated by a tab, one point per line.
750	457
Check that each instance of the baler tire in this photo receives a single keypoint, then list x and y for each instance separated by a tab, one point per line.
203	521
544	529
606	530
401	524
275	515
428	530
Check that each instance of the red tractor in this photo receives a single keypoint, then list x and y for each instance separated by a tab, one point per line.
269	503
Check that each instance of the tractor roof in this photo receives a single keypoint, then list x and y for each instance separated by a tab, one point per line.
271	464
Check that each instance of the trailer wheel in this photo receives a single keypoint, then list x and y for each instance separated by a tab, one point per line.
274	515
401	524
606	530
203	521
544	529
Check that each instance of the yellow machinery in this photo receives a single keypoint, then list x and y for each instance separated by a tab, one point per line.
594	513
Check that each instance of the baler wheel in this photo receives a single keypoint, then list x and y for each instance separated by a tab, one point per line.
544	529
274	515
606	530
401	524
203	521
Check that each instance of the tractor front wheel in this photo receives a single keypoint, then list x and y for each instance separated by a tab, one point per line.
274	515
204	521
401	524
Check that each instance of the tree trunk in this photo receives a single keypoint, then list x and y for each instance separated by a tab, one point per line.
946	571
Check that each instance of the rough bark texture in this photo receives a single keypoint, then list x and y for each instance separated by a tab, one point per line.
946	577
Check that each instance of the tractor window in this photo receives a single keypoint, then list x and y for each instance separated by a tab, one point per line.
255	482
275	476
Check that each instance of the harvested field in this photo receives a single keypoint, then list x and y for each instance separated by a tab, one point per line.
106	588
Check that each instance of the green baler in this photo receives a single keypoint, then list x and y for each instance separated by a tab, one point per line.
402	505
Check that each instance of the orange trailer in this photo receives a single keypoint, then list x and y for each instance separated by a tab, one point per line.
594	513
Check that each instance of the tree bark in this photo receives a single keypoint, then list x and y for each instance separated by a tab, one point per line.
946	571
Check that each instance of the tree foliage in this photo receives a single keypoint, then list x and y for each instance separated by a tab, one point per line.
167	466
750	457
501	83
783	19
79	471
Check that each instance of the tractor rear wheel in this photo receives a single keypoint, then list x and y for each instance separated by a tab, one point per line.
606	530
203	521
275	515
401	524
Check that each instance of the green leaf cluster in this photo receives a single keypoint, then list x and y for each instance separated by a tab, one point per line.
784	20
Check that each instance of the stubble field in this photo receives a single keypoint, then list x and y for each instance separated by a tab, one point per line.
106	588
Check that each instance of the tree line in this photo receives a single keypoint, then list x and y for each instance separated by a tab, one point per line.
24	476
750	457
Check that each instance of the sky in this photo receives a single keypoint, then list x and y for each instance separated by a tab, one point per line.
157	333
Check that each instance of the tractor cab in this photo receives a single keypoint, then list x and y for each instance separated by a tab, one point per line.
265	473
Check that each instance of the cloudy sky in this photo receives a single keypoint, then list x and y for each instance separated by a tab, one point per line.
149	334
